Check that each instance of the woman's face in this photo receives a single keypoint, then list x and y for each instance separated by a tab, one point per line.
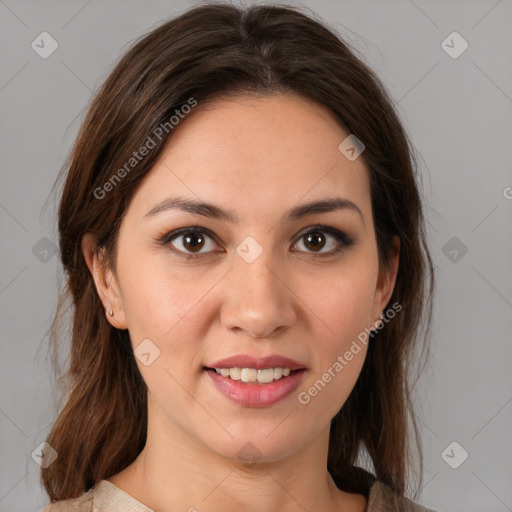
263	283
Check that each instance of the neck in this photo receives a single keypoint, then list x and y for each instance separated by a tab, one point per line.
176	471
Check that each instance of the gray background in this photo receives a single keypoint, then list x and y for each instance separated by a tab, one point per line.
458	112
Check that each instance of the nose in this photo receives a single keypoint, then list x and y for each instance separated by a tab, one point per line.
258	300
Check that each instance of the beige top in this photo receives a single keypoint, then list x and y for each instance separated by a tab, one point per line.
106	497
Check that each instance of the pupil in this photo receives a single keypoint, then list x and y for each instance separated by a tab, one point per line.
312	236
194	245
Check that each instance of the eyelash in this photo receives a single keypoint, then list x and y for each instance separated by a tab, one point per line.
343	240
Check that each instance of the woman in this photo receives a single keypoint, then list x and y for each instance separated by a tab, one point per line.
244	244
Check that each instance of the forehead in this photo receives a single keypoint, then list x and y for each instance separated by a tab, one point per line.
256	155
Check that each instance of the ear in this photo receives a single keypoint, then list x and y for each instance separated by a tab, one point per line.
105	282
386	281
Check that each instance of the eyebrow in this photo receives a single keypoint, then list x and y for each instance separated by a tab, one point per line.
216	212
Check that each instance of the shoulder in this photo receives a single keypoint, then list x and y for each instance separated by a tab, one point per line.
83	503
104	495
383	499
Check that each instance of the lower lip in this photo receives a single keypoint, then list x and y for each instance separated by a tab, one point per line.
256	395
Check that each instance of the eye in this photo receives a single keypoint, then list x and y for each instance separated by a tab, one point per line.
194	241
317	238
191	239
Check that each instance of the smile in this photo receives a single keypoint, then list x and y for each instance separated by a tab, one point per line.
251	387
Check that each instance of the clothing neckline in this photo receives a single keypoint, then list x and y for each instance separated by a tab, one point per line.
106	490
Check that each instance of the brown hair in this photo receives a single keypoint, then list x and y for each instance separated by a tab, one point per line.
212	51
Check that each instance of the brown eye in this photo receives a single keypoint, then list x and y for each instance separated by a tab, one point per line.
317	239
314	241
190	242
193	242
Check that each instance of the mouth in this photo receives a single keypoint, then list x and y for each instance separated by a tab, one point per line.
255	387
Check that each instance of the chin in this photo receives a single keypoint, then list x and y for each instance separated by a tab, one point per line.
264	442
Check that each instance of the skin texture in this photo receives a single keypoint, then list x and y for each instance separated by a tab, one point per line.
257	156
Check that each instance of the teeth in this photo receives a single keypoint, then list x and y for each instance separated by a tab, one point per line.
234	373
249	375
263	376
266	375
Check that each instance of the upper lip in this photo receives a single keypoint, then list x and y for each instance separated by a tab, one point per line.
247	361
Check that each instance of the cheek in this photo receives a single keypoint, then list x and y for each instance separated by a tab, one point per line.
171	306
328	391
343	306
160	296
338	360
343	303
